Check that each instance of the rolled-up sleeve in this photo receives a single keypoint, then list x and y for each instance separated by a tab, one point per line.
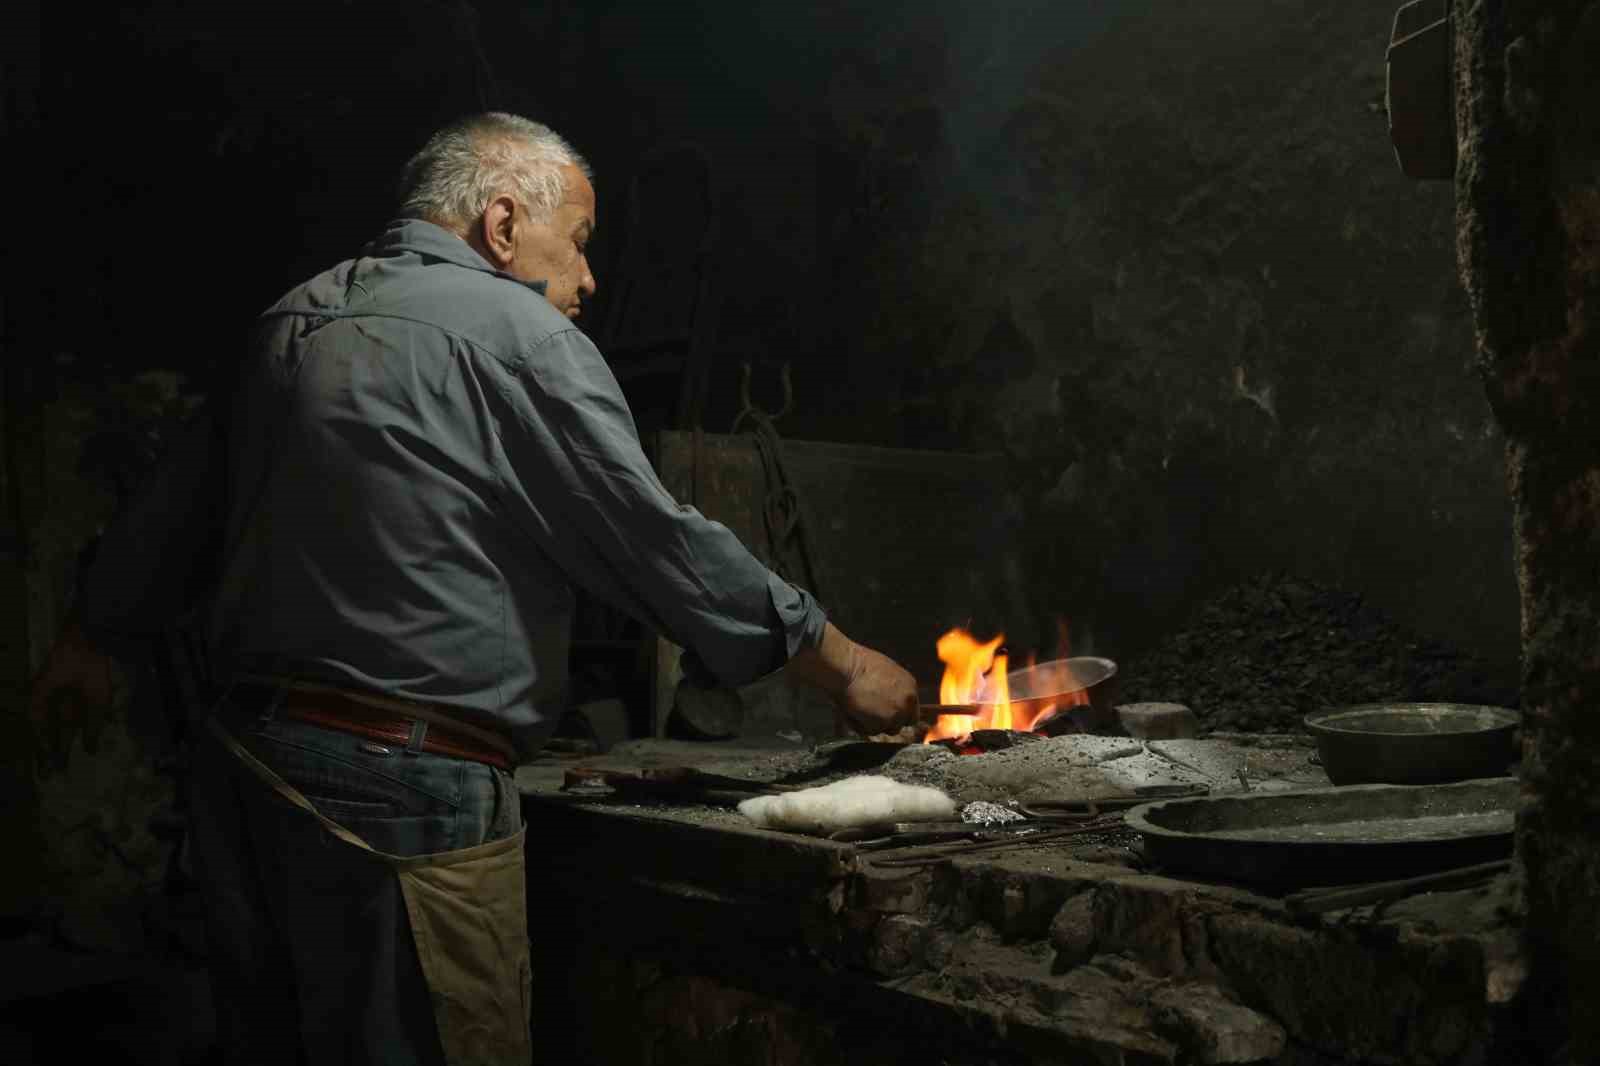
597	507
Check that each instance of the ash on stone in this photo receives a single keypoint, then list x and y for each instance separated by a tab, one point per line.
982	812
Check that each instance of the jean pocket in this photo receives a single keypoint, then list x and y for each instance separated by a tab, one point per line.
329	765
344	810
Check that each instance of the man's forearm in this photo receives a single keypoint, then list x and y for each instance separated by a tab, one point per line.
830	665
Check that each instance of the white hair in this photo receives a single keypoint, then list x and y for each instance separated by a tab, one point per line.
468	163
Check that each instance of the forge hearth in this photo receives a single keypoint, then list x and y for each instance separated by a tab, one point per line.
682	933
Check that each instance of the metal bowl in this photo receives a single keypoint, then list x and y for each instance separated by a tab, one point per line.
1048	685
1330	836
1414	743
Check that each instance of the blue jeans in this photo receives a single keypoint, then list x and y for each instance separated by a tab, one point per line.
311	952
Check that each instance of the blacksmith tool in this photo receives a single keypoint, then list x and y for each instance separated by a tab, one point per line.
1343	897
681	784
912	834
928	713
996	839
1088	810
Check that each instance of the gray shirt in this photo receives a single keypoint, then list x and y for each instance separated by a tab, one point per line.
425	457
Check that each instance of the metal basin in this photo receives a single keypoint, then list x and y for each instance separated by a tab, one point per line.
1329	836
1036	689
1414	743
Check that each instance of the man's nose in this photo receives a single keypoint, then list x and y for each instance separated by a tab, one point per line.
587	284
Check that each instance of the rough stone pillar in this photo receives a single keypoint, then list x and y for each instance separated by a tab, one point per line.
1528	216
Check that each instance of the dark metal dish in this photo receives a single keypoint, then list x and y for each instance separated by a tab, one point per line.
1331	836
1052	689
1414	743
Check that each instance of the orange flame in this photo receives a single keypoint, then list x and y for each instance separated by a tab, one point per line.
966	661
974	673
1000	696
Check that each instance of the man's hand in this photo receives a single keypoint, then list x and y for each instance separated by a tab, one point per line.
71	697
881	695
873	692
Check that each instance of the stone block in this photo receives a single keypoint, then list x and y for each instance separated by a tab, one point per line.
898	945
1158	721
1363	995
1212	1028
1142	917
894	892
1072	931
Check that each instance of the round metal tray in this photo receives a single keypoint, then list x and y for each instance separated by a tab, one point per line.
1049	686
1330	836
1414	743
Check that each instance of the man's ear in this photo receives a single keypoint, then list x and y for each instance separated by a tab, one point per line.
499	230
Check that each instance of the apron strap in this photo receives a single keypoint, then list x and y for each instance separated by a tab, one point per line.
286	790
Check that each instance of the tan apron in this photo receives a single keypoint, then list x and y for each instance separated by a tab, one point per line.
469	917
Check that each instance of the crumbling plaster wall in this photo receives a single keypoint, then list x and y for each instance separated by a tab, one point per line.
87	858
1528	194
1161	255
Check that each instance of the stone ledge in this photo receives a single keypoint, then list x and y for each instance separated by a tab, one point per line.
1043	932
1372	990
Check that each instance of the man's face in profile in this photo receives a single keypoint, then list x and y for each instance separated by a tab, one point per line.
554	252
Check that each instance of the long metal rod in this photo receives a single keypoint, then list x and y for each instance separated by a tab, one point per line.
928	712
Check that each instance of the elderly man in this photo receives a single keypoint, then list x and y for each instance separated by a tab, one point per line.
426	455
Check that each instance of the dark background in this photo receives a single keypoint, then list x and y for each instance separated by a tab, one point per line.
1159	258
1155	256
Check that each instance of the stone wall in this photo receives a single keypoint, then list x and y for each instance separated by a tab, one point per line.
1165	259
86	854
1159	253
1528	187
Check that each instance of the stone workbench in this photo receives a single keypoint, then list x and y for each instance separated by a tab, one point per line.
669	933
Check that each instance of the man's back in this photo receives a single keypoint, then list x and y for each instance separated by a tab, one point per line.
372	537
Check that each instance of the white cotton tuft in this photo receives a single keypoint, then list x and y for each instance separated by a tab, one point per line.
852	802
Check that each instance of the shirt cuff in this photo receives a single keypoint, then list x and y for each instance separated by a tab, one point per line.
799	614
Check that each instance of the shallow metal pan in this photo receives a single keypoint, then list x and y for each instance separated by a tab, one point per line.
1331	836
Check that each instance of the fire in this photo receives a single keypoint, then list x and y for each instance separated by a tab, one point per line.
975	672
1000	696
966	660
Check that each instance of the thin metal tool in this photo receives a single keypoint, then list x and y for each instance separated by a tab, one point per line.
1087	810
1014	839
1342	897
682	783
930	712
913	834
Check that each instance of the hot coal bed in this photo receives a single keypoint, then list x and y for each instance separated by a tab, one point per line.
1086	910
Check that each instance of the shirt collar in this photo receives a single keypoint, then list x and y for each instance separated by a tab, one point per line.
436	242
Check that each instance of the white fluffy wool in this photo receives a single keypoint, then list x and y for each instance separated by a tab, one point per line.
844	804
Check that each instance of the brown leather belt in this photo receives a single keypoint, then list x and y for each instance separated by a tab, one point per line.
334	711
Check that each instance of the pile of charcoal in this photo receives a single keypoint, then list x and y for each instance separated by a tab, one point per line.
1265	653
